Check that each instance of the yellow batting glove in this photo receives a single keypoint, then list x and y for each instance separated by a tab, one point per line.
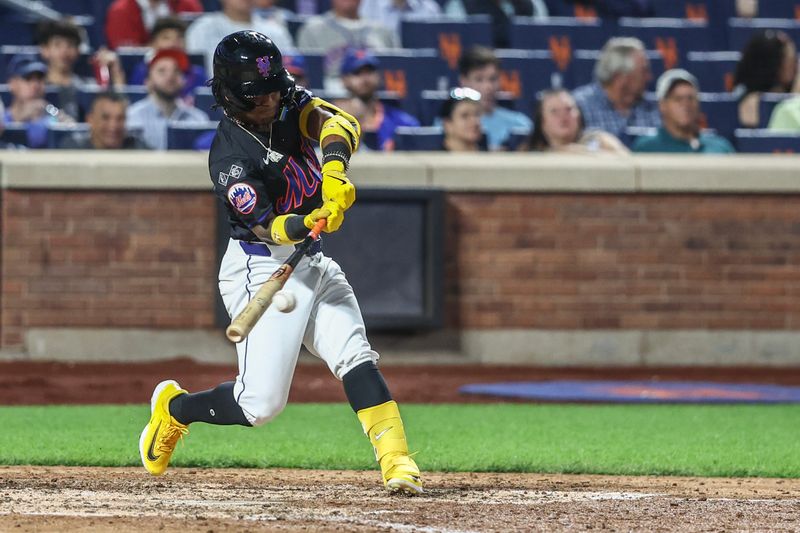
335	185
330	211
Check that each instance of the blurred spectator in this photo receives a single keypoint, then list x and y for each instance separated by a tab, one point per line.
106	127
559	127
786	115
479	69
615	100
26	84
270	10
361	77
59	45
169	32
338	30
501	13
163	105
618	8
4	145
207	31
388	13
129	22
461	121
295	64
677	92
768	64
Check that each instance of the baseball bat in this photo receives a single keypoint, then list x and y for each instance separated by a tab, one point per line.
245	321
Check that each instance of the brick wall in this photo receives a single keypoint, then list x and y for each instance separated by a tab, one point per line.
147	259
623	261
117	259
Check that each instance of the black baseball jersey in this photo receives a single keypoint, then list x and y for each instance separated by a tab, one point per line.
261	175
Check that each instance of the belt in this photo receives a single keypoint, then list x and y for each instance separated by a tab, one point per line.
262	248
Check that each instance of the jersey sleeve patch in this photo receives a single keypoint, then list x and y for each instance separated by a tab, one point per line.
243	197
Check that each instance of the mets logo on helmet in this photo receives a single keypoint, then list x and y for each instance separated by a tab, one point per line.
263	65
243	197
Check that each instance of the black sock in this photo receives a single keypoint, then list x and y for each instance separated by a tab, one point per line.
215	406
365	387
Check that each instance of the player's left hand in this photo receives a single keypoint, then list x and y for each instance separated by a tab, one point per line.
335	185
329	211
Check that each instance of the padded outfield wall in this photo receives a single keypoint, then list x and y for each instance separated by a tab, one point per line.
558	260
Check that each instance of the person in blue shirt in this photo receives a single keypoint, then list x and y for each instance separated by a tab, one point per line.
360	73
479	69
677	92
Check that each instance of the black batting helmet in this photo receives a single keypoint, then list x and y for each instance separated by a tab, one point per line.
247	64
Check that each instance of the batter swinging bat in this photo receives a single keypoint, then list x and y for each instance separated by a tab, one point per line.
241	325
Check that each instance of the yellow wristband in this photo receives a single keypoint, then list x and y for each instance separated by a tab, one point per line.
278	231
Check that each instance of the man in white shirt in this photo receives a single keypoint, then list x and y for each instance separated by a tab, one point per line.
163	105
236	15
388	13
338	30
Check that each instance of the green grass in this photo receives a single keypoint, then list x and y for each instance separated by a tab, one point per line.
678	440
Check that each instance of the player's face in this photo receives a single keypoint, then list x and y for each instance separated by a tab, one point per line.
265	111
363	83
170	38
60	53
681	108
107	122
464	123
166	78
561	118
485	80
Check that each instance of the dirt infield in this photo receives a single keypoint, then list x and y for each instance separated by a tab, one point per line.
127	500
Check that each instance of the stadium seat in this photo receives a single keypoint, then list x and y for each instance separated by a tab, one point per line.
409	72
581	69
57	133
560	35
683	9
672	38
133	93
183	136
523	73
211	5
721	112
15	134
450	36
16	30
740	30
767	141
428	138
315	64
767	103
204	101
714	70
72	7
779	9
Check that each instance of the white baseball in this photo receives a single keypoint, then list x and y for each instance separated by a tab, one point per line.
284	301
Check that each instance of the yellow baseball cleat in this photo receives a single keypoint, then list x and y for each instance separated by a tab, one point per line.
162	433
384	427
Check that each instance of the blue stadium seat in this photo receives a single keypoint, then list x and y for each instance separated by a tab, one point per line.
204	101
450	36
779	9
766	105
73	7
211	5
314	69
184	136
418	139
581	69
56	133
409	72
560	35
133	93
740	30
673	38
15	134
526	72
714	70
683	9
766	141
16	30
721	112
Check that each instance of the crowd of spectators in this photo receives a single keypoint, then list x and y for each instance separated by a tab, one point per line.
595	118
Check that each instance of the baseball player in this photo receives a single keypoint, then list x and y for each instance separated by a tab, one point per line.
265	170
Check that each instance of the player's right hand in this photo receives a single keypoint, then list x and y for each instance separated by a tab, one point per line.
331	211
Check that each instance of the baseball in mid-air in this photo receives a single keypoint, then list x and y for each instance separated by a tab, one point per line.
284	301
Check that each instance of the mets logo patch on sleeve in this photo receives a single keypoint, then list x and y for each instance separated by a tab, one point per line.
243	197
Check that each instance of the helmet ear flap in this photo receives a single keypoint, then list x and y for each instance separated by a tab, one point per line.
227	100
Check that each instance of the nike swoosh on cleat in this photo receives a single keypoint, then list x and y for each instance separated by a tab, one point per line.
379	435
150	456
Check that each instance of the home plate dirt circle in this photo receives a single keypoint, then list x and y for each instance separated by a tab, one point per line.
127	499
